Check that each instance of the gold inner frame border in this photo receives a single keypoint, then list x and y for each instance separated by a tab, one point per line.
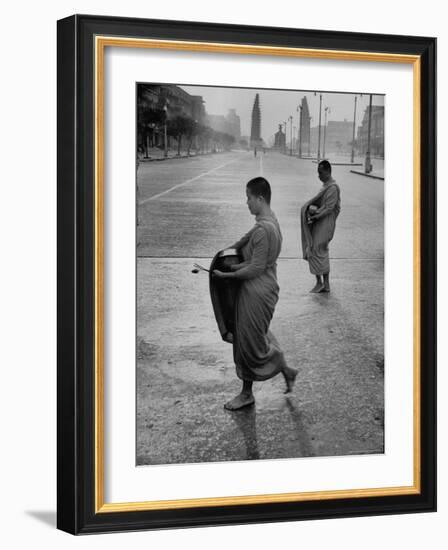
101	42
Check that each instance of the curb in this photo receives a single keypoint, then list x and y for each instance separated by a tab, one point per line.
367	175
176	157
342	163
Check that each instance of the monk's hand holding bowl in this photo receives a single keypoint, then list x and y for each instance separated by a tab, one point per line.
221	274
311	213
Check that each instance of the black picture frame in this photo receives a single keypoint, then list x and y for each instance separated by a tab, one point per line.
77	511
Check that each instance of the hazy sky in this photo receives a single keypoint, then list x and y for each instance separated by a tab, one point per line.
277	105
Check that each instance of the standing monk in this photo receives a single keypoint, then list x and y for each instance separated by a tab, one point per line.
318	222
256	352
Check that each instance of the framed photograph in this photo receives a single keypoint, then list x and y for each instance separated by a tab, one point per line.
246	274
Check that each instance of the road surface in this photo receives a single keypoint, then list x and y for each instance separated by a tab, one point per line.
189	209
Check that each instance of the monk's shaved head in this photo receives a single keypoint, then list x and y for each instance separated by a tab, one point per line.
259	187
325	165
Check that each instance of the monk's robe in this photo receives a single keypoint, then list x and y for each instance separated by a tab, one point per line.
256	352
317	235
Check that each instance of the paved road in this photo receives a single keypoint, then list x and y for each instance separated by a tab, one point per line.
190	208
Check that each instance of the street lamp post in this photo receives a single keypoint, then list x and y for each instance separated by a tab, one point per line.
290	135
327	109
320	119
300	131
165	132
299	117
149	131
309	137
285	123
354	127
368	164
147	142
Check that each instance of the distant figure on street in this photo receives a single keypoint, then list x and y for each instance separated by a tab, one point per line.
256	352
318	223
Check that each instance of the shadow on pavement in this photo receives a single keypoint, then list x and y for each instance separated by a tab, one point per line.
301	431
245	419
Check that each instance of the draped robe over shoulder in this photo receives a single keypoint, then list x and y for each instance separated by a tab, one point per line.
317	235
256	352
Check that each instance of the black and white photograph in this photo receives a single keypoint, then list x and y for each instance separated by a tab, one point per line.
260	273
221	313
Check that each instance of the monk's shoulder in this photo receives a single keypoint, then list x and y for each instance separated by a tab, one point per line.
336	187
260	231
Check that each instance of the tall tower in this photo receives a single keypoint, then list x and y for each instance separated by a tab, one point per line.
255	131
305	133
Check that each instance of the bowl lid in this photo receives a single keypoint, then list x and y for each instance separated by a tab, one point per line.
228	252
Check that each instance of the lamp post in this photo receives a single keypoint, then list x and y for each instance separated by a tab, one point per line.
309	137
354	127
327	109
368	164
285	123
165	132
299	132
320	119
147	141
290	135
299	117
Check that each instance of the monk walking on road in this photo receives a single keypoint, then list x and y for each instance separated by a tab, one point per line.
256	352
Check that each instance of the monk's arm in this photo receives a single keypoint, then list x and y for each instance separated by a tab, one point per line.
244	240
329	203
257	264
238	245
237	267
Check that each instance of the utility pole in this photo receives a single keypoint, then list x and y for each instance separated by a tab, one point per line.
309	138
298	127
300	132
147	143
285	123
368	164
327	109
290	135
320	119
165	137
354	128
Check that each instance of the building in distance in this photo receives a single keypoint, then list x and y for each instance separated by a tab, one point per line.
228	124
376	132
159	105
335	138
280	140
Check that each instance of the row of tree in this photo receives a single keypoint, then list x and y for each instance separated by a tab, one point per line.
184	129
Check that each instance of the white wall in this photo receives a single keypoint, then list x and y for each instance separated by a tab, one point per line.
28	273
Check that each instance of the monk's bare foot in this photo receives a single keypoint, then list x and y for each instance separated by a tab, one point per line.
317	288
240	401
290	378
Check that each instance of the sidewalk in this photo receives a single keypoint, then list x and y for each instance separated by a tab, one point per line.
335	160
377	170
156	154
375	174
